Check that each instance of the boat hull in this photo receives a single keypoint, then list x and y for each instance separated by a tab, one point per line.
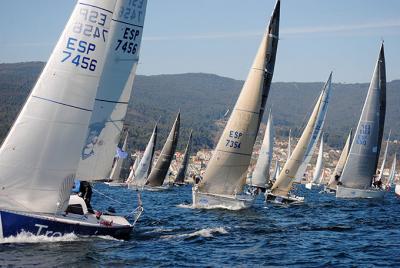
12	223
231	202
277	199
397	189
371	193
116	184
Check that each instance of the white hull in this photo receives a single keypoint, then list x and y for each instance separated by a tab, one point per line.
371	193
116	184
277	199
328	190
397	189
211	201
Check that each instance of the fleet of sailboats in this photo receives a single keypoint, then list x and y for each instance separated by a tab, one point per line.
93	67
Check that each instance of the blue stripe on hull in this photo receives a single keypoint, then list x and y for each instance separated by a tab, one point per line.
14	223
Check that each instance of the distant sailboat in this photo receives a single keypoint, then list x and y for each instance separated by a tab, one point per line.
289	145
335	177
180	177
260	177
160	169
380	172
361	164
392	174
318	172
280	191
37	171
115	175
226	172
134	167
139	178
277	170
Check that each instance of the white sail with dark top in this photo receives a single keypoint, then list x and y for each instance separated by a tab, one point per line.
180	177
40	155
160	170
114	92
261	174
227	169
362	161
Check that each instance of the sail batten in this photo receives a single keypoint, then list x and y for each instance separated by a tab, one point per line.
226	171
362	161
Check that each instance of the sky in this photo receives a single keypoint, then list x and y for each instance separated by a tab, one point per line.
222	36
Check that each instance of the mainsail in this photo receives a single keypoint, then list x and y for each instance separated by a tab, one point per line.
277	170
42	149
260	176
114	90
317	176
180	177
380	174
160	170
143	170
340	164
226	171
283	183
133	169
361	164
115	174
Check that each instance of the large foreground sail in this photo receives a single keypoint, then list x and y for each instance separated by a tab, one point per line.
226	171
361	164
285	180
160	169
180	177
261	174
114	91
40	155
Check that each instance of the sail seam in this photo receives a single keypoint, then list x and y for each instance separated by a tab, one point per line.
233	152
110	101
64	104
131	24
242	110
84	4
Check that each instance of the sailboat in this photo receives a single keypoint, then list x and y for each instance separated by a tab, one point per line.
114	92
225	174
280	190
139	178
37	171
289	145
260	177
335	177
392	174
277	170
180	177
363	158
160	170
115	175
379	176
318	172
133	168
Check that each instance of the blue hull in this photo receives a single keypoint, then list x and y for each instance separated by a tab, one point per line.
13	223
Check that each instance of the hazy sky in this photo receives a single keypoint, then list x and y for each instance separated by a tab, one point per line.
221	36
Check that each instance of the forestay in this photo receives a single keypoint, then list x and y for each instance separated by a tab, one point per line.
226	171
261	174
41	151
114	90
160	169
361	164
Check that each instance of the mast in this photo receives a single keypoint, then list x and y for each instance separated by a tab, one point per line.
226	171
261	175
114	92
284	182
40	155
361	164
160	170
180	177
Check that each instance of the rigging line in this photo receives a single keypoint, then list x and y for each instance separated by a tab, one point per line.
106	196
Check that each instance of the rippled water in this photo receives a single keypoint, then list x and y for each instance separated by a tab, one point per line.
322	232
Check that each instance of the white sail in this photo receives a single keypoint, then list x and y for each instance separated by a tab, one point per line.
334	179
317	176
361	164
289	146
277	170
317	130
115	174
260	176
285	180
143	170
114	90
43	146
227	169
133	168
380	174
392	173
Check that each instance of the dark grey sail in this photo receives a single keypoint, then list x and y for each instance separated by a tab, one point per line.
362	161
160	170
180	177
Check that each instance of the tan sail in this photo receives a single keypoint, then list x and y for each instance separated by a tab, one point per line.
284	182
226	171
